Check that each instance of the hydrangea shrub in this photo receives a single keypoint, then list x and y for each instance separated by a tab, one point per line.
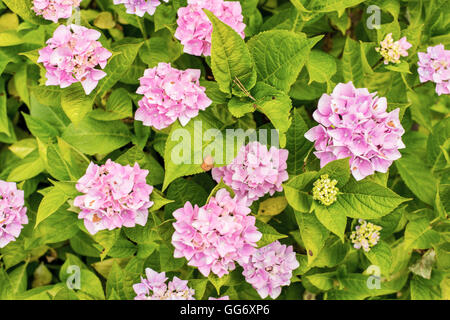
224	150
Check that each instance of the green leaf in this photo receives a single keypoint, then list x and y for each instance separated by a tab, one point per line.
230	58
23	9
420	235
118	106
40	128
269	234
4	125
27	168
125	52
18	279
381	256
75	103
331	5
423	289
312	232
366	200
352	66
333	220
321	66
296	143
97	137
438	145
417	176
339	170
297	191
279	56
186	146
332	253
90	284
51	202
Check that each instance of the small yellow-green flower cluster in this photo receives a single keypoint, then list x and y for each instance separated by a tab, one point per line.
366	235
392	50
325	190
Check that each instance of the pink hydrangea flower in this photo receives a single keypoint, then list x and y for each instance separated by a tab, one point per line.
354	123
155	288
215	236
170	94
270	268
255	171
434	65
55	9
194	28
140	7
12	212
221	298
71	57
113	196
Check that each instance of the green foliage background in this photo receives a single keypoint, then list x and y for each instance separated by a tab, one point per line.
293	53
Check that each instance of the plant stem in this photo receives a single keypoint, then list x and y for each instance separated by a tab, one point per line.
142	27
377	64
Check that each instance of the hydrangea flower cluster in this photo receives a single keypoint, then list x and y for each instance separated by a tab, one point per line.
354	123
255	171
154	287
325	190
140	7
12	212
270	268
392	50
194	28
114	196
71	57
170	94
366	235
215	236
55	9
434	65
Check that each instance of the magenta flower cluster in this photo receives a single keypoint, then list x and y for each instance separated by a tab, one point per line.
154	287
215	236
270	268
113	196
170	94
55	9
434	65
12	212
354	123
140	7
194	28
71	55
255	171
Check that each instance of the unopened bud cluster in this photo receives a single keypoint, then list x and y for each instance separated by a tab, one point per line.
325	190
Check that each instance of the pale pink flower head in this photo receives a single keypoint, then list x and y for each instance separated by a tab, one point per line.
355	123
221	298
270	268
434	65
392	50
72	55
215	236
194	28
113	196
154	287
12	212
54	9
140	7
255	171
170	94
